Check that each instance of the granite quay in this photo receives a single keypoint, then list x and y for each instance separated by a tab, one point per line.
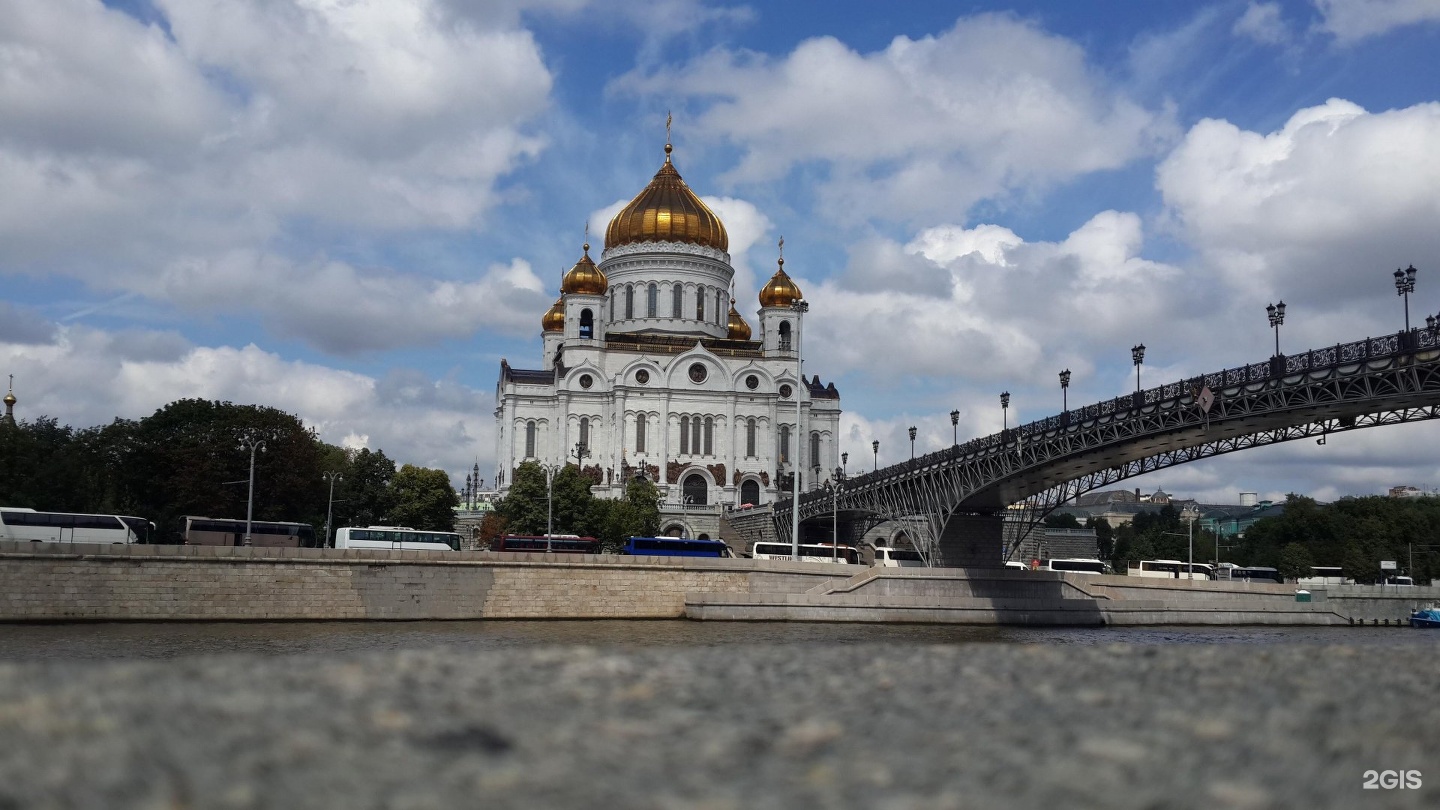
53	582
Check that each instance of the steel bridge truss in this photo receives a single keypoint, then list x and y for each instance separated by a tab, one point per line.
1032	469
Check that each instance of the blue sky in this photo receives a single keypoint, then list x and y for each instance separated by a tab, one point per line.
354	210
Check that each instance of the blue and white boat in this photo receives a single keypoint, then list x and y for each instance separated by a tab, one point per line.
1429	617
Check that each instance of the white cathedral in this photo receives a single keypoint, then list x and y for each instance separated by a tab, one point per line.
648	369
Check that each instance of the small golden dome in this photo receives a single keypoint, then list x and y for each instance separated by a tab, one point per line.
667	211
10	398
779	291
585	278
554	320
739	330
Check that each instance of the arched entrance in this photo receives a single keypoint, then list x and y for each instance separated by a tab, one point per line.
750	492
695	489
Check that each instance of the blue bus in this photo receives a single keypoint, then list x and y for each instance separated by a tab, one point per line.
675	547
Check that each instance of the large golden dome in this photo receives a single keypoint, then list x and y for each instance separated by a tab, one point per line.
779	291
585	278
667	211
739	330
554	320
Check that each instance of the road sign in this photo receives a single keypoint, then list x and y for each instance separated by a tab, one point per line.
1387	565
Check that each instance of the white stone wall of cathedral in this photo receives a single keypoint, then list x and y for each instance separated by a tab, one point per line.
628	300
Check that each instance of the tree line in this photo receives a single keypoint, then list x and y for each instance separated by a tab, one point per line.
569	508
1354	533
185	459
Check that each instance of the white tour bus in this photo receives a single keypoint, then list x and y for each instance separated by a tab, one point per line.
1074	565
19	523
399	538
1170	569
809	552
888	557
1324	575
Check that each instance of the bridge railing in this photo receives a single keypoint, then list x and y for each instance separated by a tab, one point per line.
1314	360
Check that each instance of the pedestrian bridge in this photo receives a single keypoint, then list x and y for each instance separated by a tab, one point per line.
959	495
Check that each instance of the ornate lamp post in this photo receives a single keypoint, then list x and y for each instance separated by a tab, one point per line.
251	440
875	448
954	427
1004	411
1404	285
912	442
1137	354
1065	391
332	477
550	470
580	453
1430	322
845	462
801	306
1188	514
1276	313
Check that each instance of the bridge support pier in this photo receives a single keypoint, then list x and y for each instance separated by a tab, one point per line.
972	541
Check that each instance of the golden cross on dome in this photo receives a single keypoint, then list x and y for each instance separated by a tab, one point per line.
782	251
587	237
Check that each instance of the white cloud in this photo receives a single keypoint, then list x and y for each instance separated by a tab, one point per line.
1318	212
415	419
932	124
1263	23
1354	20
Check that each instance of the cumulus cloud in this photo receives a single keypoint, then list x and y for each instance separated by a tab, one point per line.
1353	20
1263	23
926	125
23	325
413	418
1318	212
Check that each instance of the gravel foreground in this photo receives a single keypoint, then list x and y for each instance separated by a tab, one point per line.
868	726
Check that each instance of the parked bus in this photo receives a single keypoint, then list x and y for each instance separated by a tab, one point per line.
887	557
399	538
1170	569
206	531
809	552
555	543
675	547
27	525
1255	573
1325	575
1074	565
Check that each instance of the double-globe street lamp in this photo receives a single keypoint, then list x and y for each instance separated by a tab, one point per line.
550	471
955	427
332	477
800	306
1137	355
1065	391
1404	285
251	440
1276	313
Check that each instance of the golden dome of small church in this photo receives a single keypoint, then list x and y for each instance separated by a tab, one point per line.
648	368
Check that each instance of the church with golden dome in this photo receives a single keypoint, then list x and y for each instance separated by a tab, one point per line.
648	368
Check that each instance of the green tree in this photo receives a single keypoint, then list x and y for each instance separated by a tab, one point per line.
363	496
637	514
524	506
422	498
1295	561
1062	521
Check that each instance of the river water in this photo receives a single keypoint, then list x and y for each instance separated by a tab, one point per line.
156	640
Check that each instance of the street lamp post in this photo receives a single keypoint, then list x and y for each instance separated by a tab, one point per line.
954	427
834	486
912	442
1276	313
1004	411
1189	514
1065	391
1137	354
1404	285
550	470
581	453
801	306
845	464
685	501
875	448
332	477
252	441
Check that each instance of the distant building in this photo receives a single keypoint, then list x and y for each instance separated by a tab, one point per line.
1407	491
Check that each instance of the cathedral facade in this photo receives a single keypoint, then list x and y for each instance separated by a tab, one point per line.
649	369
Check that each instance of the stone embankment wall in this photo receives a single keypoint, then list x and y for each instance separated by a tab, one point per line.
50	582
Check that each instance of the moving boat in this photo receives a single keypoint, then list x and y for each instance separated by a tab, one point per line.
1429	617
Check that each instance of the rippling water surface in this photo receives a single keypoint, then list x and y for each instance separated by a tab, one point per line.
33	642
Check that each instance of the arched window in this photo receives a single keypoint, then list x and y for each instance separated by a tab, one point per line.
587	324
750	492
784	443
652	299
640	433
613	293
784	336
814	450
700	303
695	435
629	302
684	435
695	489
677	294
585	432
709	436
719	310
530	433
750	437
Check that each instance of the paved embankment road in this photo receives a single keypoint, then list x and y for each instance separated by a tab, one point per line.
753	726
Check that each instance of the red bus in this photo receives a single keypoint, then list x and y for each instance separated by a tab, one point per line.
555	543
